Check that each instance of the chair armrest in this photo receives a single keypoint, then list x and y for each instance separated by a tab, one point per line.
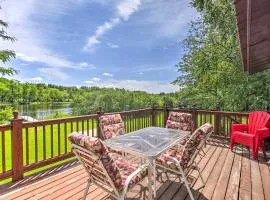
239	127
141	168
262	132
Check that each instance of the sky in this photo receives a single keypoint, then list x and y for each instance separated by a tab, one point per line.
131	44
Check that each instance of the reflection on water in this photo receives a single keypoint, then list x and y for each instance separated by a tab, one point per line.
43	110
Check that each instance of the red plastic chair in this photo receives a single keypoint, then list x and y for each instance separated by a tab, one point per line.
252	134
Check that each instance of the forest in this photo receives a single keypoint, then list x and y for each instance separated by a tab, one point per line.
210	74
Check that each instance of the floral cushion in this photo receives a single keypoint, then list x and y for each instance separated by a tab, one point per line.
112	125
178	125
167	160
110	119
126	168
184	155
96	146
117	168
182	121
90	143
207	129
180	117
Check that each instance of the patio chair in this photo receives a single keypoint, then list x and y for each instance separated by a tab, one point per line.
108	171
181	161
111	126
182	121
252	134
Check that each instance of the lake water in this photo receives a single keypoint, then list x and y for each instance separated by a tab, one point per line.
42	111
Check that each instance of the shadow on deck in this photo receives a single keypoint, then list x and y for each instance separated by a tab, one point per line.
228	175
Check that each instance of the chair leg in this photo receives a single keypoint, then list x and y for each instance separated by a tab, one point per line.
188	188
203	152
232	145
254	154
263	150
186	182
86	189
200	174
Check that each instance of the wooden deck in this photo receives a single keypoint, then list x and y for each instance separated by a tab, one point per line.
228	175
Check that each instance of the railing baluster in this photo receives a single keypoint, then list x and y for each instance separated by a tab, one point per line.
59	140
93	128
3	152
36	144
133	123
129	122
27	146
44	142
71	127
52	141
65	131
82	126
87	126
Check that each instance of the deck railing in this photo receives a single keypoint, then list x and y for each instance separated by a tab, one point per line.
26	146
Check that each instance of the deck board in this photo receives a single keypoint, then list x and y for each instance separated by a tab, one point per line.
245	182
228	175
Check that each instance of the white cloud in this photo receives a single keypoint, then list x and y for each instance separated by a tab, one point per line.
150	68
101	30
107	74
31	44
53	73
127	7
89	82
114	46
34	80
87	65
168	19
135	85
124	10
95	79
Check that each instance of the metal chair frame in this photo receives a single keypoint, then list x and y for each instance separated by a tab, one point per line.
191	164
101	178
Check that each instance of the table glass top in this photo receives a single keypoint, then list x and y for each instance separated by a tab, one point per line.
148	142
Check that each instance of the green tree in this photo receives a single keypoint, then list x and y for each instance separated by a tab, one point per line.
211	71
6	55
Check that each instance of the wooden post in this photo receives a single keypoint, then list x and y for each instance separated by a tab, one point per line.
217	121
17	147
100	113
194	116
166	114
153	114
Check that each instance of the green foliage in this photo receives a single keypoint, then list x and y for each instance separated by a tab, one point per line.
58	115
112	100
211	68
5	114
6	55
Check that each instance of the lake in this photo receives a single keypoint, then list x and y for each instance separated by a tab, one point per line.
43	110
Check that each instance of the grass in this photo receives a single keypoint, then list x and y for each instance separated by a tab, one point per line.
42	141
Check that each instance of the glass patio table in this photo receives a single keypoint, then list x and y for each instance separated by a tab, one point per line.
148	143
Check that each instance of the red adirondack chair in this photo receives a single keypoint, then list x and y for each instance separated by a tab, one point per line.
252	134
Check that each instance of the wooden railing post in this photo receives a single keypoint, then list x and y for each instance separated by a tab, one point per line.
194	116
166	114
17	147
217	121
99	112
153	114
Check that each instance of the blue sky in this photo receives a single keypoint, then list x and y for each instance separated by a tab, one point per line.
132	44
